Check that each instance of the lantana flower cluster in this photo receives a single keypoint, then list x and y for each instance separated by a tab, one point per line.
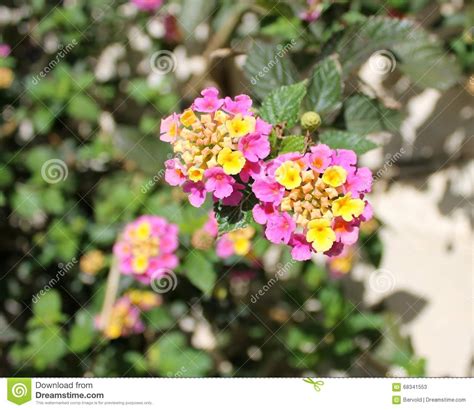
313	202
146	248
218	145
125	317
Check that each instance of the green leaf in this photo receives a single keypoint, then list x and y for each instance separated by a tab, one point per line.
292	143
137	360
82	107
366	321
347	140
283	104
269	67
364	115
82	332
47	307
325	88
200	271
159	319
422	57
231	218
46	346
26	201
169	356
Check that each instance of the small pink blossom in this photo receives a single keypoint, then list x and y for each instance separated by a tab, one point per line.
239	105
262	127
224	247
5	50
196	191
359	181
235	198
209	102
261	212
218	182
346	232
268	191
148	5
280	228
344	158
254	147
174	173
169	128
301	248
320	157
251	170
211	226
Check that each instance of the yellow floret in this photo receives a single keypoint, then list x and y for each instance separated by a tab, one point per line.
288	175
348	208
335	176
231	161
320	234
240	126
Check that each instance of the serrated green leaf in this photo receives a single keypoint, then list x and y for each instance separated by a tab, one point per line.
364	115
269	67
292	143
230	218
347	140
200	271
283	104
421	56
325	88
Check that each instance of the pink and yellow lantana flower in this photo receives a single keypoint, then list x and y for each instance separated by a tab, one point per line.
125	316
146	248
313	202
218	145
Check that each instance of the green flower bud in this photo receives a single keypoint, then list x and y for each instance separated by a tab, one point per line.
310	121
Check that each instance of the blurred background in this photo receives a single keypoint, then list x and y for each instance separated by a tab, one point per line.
84	85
